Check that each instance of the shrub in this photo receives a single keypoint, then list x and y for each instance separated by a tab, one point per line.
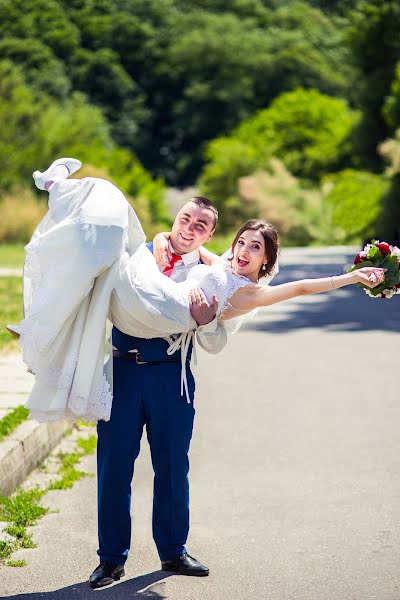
390	150
307	130
20	212
278	197
354	201
228	159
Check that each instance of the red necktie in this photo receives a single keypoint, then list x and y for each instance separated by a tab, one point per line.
169	268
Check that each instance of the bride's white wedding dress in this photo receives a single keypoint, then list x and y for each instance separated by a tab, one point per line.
87	261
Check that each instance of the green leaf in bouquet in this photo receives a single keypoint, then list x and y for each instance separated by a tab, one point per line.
392	275
364	263
374	291
392	260
373	251
391	279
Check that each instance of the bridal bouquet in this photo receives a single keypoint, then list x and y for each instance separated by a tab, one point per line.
380	254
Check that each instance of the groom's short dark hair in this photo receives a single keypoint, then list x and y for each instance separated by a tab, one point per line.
203	202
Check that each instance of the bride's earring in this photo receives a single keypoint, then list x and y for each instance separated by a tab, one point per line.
264	267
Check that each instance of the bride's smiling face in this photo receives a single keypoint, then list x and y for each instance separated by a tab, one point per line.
249	254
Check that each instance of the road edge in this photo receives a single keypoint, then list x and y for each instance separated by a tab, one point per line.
25	448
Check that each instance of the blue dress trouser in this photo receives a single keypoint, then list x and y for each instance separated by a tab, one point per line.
145	395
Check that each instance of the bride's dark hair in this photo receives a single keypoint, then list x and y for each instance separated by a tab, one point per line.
271	241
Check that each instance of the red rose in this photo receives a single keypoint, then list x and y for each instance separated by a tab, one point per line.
359	259
384	248
397	286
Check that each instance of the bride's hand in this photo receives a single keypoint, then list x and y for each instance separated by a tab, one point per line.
161	250
370	276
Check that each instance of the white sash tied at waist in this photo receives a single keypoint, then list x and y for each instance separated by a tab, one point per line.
182	342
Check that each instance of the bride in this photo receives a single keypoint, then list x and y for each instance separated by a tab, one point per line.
87	262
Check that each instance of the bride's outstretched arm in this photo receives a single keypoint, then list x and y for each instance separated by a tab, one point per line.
251	297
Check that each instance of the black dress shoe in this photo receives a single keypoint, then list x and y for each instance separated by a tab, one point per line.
185	565
105	574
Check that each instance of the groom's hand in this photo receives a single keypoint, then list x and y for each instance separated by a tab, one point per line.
201	310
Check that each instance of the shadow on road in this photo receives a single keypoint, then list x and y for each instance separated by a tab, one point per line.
137	588
348	309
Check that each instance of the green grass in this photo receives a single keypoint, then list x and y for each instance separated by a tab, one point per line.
12	420
12	255
23	507
22	536
68	477
68	461
6	549
10	310
16	563
67	471
87	445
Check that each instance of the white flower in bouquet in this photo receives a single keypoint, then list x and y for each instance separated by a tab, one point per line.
396	251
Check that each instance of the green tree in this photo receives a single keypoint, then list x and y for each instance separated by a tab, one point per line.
227	160
219	68
277	196
389	220
40	129
244	9
307	130
374	41
106	83
42	70
21	111
354	203
391	107
43	20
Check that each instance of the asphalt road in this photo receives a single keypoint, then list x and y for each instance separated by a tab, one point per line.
295	487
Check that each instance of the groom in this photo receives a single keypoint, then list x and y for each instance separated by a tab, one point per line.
147	392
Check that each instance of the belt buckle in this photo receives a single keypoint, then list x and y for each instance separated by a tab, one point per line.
138	359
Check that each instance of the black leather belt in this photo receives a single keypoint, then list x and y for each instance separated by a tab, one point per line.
136	358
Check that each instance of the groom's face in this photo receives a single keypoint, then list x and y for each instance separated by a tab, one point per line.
193	227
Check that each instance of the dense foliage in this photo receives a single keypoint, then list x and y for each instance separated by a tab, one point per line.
210	90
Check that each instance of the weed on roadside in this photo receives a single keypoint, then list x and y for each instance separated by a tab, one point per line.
21	509
24	508
68	461
87	445
16	563
6	549
21	535
11	421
